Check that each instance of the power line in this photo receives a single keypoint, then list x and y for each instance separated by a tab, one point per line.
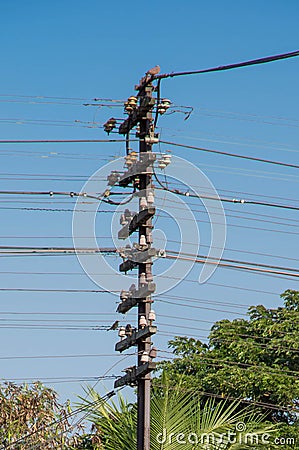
65	98
104	355
55	380
234	192
165	216
95	291
225	397
200	307
61	141
228	200
76	194
239	262
241	288
209	361
251	62
174	254
270	255
66	177
233	155
232	266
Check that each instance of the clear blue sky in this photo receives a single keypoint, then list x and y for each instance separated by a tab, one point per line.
98	49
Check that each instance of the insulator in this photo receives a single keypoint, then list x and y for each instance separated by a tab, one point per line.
133	156
161	109
144	357
153	353
149	277
142	278
110	125
167	159
132	100
150	198
162	164
152	315
165	103
142	322
122	332
129	108
142	240
143	203
128	160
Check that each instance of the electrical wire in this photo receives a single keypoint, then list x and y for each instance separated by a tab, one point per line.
171	254
233	155
251	62
268	346
241	201
204	359
234	192
270	120
96	291
56	380
165	216
270	406
161	296
63	98
65	356
73	194
187	280
158	240
233	266
176	256
239	262
62	141
200	307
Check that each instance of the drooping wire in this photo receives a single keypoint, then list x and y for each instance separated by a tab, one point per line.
251	62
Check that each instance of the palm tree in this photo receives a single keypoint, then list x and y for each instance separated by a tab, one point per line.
179	421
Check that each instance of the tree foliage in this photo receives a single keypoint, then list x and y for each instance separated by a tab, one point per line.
256	360
31	417
179	420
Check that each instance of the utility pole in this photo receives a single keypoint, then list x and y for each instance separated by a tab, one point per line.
144	306
139	174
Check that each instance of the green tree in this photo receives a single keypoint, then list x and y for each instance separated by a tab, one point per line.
179	419
255	360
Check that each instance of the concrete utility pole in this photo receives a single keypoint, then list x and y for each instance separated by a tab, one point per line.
144	307
139	174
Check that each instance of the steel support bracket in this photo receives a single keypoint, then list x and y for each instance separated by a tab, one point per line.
137	335
134	374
